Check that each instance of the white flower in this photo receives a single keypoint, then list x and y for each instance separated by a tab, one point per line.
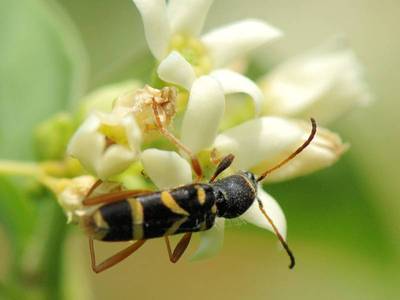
177	25
206	104
172	32
106	144
261	143
323	84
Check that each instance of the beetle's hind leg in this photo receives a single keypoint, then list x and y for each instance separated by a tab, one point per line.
114	259
180	247
173	139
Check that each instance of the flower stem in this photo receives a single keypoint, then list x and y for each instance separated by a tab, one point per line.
9	167
30	169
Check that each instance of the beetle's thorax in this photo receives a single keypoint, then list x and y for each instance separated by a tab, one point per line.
235	194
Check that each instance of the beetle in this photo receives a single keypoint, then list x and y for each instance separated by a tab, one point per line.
141	214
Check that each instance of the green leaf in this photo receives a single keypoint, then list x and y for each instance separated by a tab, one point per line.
11	292
42	69
51	236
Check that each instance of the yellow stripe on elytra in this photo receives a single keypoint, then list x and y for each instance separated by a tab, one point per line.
99	220
175	226
201	194
101	226
170	202
137	218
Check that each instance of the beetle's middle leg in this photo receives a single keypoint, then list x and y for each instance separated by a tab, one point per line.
93	187
180	247
173	139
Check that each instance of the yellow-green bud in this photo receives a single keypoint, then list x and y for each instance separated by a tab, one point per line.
52	136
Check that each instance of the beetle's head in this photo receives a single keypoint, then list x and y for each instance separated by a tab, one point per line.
251	177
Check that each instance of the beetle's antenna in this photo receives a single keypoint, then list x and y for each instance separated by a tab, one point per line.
294	154
280	237
222	166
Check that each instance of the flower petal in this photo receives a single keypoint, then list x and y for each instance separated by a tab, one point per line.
156	25
166	168
233	82
188	18
234	40
211	241
133	133
177	70
324	85
87	145
115	160
254	216
204	113
324	151
261	143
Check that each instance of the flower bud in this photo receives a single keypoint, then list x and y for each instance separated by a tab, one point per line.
70	199
52	136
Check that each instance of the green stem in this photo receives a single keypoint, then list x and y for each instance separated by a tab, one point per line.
29	169
8	167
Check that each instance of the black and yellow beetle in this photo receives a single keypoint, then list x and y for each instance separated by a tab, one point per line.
140	215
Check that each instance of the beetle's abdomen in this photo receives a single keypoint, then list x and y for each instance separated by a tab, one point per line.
186	209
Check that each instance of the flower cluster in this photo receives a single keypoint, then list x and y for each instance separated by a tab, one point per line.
195	75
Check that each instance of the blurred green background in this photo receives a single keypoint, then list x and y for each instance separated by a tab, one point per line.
343	222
